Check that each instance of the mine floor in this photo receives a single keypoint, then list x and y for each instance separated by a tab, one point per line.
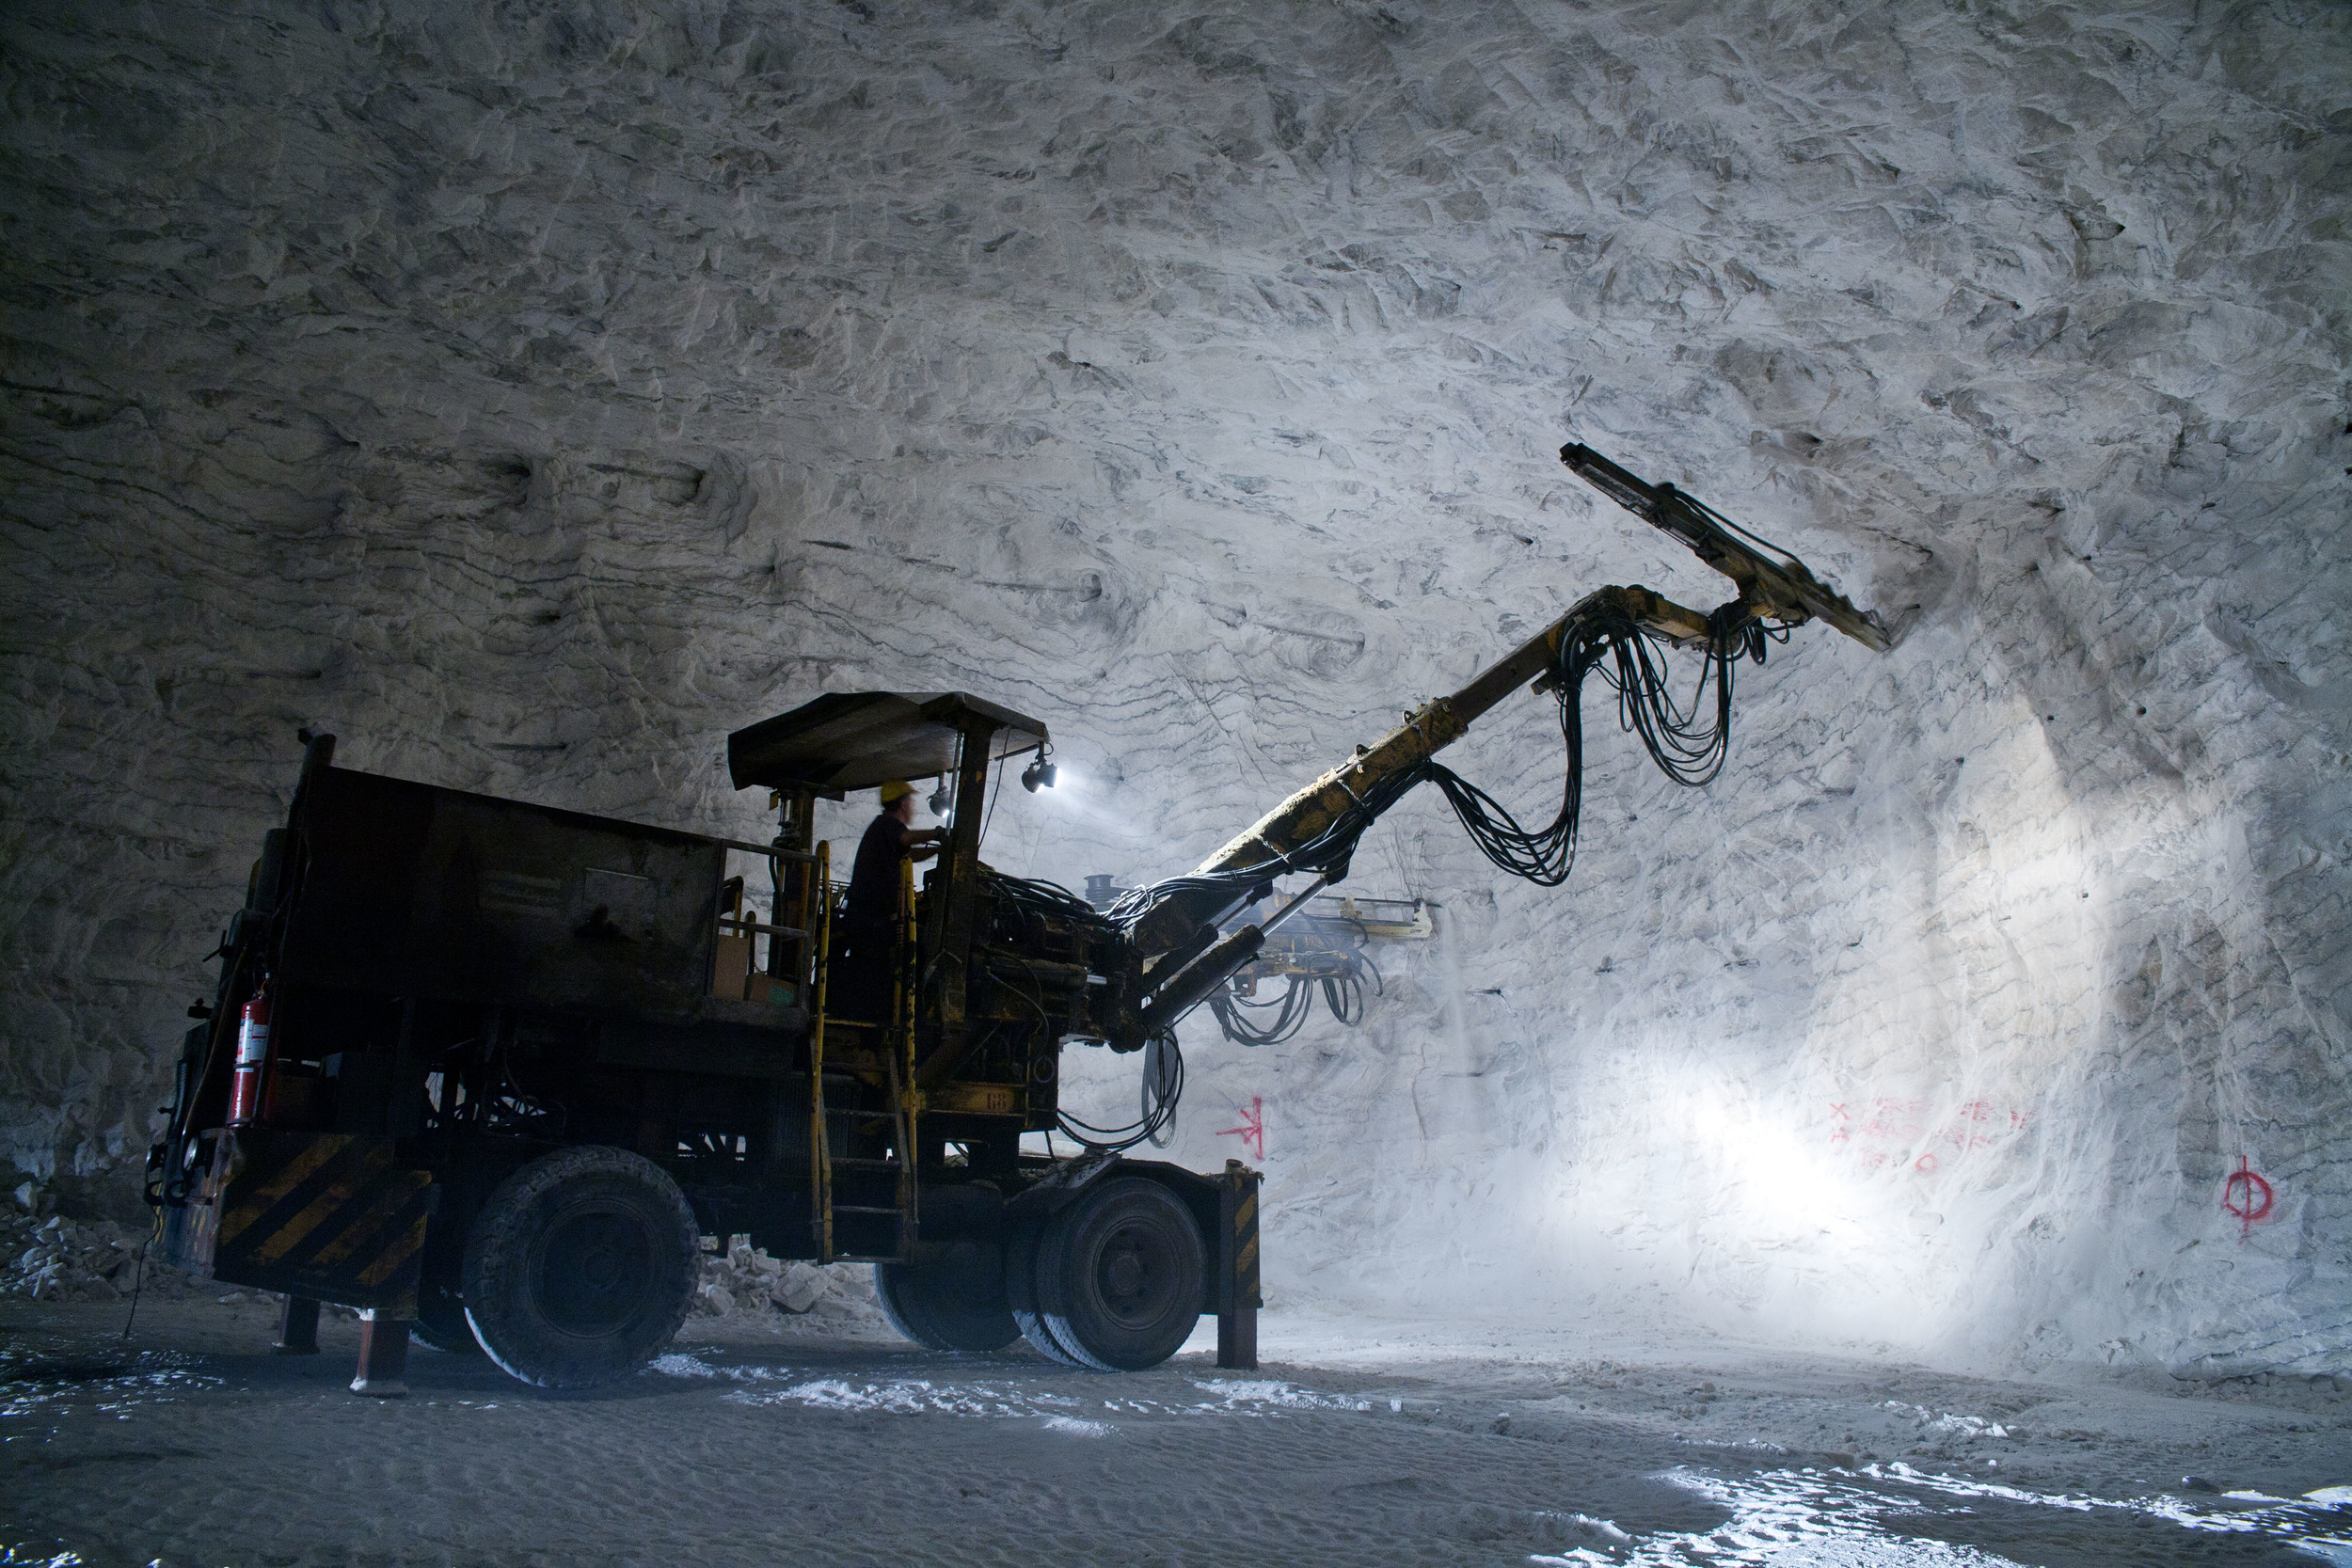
189	1445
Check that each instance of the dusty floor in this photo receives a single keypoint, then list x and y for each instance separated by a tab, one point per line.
189	1445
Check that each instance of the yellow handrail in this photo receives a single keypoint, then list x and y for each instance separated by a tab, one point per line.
819	1146
910	1098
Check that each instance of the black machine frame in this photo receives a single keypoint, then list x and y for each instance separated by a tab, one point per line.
460	986
518	1058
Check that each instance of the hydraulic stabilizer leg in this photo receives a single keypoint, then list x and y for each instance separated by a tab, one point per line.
1237	1294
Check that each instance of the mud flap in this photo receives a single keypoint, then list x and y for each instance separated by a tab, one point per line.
327	1215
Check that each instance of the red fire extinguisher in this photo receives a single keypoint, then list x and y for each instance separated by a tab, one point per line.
244	1089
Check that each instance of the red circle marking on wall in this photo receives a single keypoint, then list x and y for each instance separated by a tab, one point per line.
2246	1197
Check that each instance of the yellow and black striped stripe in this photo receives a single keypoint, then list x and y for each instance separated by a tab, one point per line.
1245	1246
326	1214
1237	1249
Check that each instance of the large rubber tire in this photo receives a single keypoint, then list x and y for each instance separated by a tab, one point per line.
1023	1242
1120	1275
955	1304
581	1267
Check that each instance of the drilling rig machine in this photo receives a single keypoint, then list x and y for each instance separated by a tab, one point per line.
489	1071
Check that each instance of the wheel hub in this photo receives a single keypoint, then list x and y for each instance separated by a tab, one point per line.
1131	1274
594	1266
1124	1275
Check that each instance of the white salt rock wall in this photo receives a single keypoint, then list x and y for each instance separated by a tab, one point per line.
531	397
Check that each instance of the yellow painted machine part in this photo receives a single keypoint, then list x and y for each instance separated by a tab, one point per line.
819	1149
906	1099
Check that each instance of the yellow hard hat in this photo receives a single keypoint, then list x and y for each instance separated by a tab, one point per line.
897	789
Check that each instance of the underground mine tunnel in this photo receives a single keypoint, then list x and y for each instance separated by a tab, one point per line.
1539	783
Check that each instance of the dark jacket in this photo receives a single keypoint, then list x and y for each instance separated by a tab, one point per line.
873	898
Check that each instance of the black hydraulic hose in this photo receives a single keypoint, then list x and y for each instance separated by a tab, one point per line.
1689	741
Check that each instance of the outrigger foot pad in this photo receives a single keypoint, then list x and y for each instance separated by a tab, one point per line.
297	1327
383	1357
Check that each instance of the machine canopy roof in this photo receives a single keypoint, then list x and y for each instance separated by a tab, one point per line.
857	739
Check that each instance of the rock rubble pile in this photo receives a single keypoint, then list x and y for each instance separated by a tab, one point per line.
744	1280
56	1259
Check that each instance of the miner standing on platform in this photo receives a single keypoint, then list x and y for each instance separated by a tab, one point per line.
861	951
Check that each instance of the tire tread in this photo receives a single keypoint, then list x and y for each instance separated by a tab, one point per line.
500	1243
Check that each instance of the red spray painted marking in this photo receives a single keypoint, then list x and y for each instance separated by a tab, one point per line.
1885	1133
2245	1195
1251	1131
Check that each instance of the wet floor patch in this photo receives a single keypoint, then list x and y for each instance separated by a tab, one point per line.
1864	1517
115	1386
36	1554
1008	1397
1897	1516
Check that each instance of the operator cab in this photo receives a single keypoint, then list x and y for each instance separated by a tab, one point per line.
850	740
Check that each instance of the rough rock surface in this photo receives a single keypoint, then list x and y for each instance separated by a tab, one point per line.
55	1258
532	394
